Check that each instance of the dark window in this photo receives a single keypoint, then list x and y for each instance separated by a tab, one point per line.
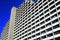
37	25
38	38
44	0
43	27
37	17
53	16
48	24
49	0
41	14
52	7
33	31
51	39
56	26
37	21
47	15
58	3
44	3
37	34
45	7
38	29
51	34
40	3
33	36
47	19
40	7
53	11
57	32
29	38
33	20
58	8
51	3
46	11
54	21
25	39
41	10
49	29
57	38
43	37
58	13
43	32
33	27
33	23
29	33
42	18
42	23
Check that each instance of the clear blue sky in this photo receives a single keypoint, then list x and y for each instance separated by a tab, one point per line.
5	9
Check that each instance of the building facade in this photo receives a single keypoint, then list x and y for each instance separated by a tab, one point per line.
35	20
5	32
38	20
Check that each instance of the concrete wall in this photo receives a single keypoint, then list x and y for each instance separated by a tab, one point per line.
12	23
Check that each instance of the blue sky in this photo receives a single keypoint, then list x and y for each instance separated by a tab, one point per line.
5	9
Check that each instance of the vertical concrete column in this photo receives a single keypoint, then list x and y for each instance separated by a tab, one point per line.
12	23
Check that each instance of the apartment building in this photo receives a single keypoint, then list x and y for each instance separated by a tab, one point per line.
38	20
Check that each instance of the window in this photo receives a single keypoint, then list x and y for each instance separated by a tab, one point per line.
46	11
29	38
41	18
33	27
53	11
58	38
57	3
29	33
33	23
33	16
36	13
38	38
49	24
33	20
47	19
42	23
44	0
47	15
58	8
51	39
40	3
56	26
52	7
45	7
43	27
37	25
43	37
51	3
33	31
44	3
37	21
57	32
49	29
41	10
33	36
40	7
37	17
51	34
37	34
49	0
43	32
54	21
41	14
25	39
38	29
53	16
59	13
